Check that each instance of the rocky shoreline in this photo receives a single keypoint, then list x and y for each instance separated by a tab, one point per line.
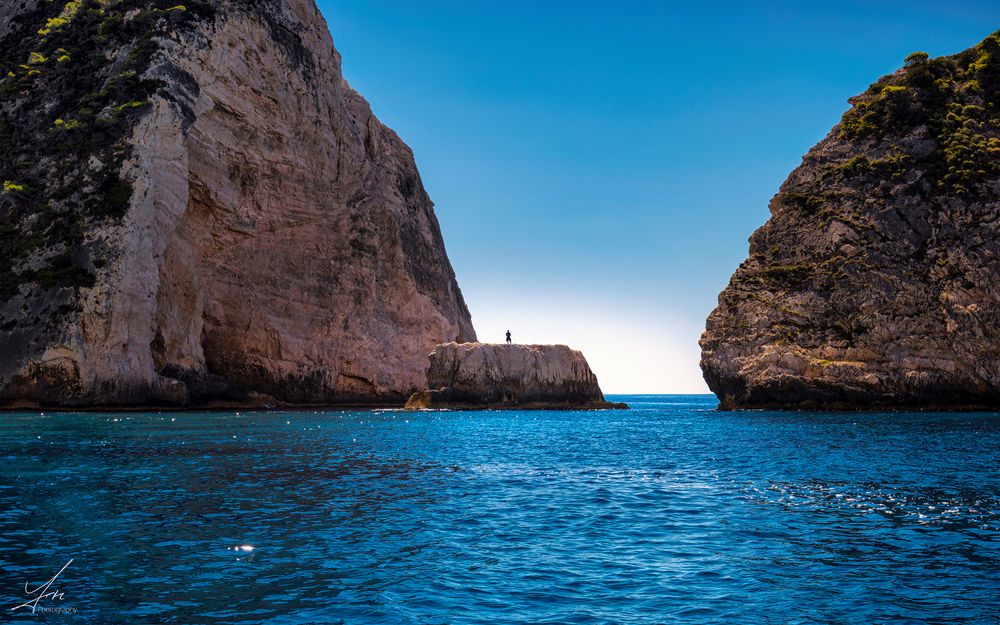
480	376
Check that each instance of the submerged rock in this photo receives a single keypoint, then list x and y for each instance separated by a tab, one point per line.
874	283
480	375
197	207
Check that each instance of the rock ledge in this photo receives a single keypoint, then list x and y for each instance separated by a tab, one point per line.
526	377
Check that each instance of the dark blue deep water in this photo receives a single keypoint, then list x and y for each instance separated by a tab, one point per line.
667	513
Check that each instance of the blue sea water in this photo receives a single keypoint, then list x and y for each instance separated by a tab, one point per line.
670	512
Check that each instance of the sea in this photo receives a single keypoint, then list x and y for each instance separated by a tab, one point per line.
670	512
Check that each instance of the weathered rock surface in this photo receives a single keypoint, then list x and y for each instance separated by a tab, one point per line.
480	375
874	283
198	207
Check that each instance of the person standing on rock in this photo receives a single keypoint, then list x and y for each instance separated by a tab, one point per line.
508	337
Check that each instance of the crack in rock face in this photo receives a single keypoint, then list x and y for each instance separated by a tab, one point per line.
200	209
873	285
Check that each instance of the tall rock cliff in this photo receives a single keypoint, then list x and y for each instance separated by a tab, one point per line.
196	206
875	282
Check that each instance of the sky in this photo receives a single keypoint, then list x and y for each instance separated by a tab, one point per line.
597	167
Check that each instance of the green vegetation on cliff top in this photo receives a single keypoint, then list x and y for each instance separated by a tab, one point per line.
72	87
954	99
930	130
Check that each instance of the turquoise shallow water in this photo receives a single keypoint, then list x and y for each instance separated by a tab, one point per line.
667	513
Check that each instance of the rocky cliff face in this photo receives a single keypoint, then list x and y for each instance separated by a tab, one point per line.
477	375
874	284
196	206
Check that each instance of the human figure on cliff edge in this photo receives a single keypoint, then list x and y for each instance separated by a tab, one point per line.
508	337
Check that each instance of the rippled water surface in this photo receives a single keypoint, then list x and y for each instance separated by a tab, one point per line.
666	513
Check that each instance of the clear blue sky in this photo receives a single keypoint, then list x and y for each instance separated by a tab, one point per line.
598	166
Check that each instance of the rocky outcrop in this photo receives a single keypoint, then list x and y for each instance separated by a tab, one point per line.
480	376
874	283
197	207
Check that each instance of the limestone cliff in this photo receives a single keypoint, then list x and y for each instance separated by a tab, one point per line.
874	283
477	375
196	207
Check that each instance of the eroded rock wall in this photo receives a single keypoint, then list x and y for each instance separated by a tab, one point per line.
277	245
479	375
874	283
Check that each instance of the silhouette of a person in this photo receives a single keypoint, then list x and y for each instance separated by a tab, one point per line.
508	337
